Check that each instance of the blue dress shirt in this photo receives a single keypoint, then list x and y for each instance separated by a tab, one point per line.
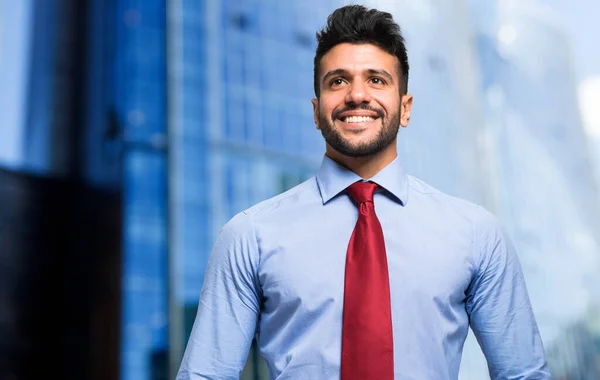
277	271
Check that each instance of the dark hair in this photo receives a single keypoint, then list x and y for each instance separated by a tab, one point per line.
358	25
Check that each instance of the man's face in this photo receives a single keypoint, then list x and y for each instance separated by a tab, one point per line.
360	108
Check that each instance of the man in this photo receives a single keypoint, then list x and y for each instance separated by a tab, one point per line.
333	289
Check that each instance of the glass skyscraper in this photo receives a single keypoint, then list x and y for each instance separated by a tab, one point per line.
139	110
14	58
59	192
542	179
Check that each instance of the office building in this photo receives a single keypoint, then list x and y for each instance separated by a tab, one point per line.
542	180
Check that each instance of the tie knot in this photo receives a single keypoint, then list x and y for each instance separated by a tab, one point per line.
362	192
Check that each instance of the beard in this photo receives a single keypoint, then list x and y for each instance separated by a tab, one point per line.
386	135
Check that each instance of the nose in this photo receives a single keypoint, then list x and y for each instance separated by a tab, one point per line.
358	93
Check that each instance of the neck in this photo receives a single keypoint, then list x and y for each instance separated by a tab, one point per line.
366	167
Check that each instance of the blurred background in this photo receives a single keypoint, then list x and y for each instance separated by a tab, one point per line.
131	131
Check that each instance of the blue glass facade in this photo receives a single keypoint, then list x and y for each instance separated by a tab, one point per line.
15	17
542	180
141	114
242	123
60	198
29	66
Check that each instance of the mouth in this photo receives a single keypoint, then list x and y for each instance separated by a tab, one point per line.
358	121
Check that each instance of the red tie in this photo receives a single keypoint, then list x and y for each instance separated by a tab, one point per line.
367	342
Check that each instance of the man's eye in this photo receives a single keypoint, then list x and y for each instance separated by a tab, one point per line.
337	82
376	80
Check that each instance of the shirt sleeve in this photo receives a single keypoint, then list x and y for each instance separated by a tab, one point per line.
229	306
500	311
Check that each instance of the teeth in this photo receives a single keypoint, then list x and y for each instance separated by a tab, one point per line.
358	119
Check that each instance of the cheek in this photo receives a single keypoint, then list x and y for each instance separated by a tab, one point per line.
389	102
325	110
329	103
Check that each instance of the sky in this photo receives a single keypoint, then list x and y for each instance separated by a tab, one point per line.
581	22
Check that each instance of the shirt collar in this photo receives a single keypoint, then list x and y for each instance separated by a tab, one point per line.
333	178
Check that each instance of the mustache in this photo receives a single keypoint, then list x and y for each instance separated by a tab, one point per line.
365	107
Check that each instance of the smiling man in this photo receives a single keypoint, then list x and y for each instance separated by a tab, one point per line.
361	102
363	272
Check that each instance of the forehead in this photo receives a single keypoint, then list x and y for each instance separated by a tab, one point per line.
356	58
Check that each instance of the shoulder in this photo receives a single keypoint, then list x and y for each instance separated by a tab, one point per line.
444	202
242	224
486	228
305	192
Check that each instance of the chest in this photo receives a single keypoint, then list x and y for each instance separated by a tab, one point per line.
304	267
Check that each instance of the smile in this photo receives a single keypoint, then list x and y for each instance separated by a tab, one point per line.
358	119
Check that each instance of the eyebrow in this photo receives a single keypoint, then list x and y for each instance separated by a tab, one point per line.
382	73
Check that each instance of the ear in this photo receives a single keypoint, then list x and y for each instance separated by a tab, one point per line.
315	104
405	107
